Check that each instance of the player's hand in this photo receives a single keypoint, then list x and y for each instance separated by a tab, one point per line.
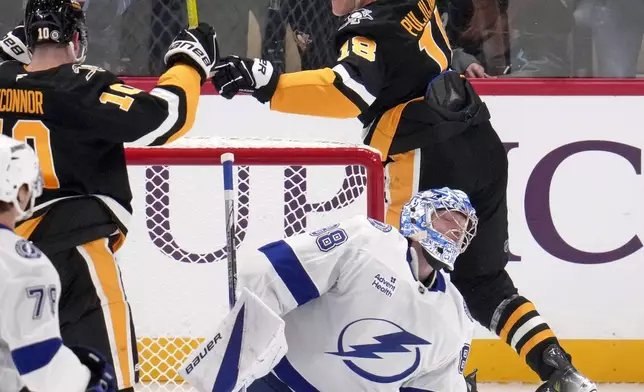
102	379
475	70
254	76
13	46
197	48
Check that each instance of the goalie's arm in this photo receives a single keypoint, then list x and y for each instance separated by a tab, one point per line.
344	91
301	268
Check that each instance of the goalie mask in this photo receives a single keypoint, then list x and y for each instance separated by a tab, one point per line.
443	221
18	167
57	22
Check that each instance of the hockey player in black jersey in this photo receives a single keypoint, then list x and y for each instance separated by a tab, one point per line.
77	117
393	73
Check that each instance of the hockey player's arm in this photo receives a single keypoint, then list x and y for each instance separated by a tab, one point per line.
344	91
166	113
301	268
29	325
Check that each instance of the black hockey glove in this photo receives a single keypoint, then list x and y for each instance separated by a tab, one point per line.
254	76
13	46
197	48
102	378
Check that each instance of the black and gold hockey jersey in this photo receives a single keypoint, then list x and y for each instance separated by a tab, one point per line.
389	51
77	118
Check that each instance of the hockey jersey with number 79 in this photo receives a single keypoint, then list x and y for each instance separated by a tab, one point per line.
356	317
32	353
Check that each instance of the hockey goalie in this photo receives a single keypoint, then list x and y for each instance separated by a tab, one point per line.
358	306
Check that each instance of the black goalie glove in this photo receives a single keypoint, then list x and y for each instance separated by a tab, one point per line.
102	373
197	48
253	76
13	46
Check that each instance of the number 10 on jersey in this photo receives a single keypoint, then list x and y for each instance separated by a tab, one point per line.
36	134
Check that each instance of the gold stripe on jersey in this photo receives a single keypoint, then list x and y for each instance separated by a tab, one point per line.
21	101
109	289
402	183
514	317
312	93
26	228
385	131
439	23
189	80
534	341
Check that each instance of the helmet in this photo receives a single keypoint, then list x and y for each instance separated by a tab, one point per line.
18	166
423	213
56	21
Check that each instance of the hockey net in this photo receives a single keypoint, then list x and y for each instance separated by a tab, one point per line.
174	262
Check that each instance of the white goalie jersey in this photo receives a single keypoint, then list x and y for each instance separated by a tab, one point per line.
356	317
31	351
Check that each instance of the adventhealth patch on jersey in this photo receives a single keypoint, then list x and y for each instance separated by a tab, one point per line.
386	285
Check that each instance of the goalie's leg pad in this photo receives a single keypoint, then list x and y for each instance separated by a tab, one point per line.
247	344
268	383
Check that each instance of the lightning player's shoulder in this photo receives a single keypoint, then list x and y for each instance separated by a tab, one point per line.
20	257
368	229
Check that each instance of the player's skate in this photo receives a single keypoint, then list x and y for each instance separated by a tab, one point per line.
566	378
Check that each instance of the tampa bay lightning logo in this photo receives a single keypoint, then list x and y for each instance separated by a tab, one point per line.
27	250
390	359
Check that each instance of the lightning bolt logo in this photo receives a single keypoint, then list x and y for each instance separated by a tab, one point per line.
389	343
394	342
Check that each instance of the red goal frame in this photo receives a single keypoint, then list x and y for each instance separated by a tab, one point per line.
276	156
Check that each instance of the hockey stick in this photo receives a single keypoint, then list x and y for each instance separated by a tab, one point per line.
193	14
227	160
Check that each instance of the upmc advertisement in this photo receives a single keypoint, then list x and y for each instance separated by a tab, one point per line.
576	220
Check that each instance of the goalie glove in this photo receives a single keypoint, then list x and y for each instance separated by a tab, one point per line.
254	76
102	373
13	46
197	48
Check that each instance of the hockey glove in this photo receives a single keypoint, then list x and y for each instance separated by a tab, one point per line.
102	379
254	76
13	46
197	48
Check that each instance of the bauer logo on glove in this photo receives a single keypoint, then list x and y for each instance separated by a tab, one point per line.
196	48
